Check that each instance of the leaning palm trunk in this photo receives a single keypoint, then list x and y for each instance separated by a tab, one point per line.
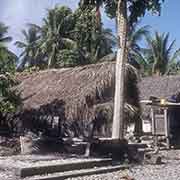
118	125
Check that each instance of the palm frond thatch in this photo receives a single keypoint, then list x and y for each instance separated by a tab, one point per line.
77	85
81	89
161	87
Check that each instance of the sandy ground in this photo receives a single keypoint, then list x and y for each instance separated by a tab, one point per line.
169	170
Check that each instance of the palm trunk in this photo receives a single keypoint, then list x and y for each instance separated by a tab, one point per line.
52	57
118	119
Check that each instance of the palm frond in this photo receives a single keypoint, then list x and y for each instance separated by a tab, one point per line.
22	54
20	44
137	36
3	29
175	56
35	26
5	39
25	34
171	46
69	43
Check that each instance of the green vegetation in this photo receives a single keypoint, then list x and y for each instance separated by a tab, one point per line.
160	56
29	46
65	39
92	39
8	99
69	38
7	58
55	34
135	36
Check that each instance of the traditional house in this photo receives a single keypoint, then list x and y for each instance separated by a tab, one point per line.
157	86
165	118
79	98
76	99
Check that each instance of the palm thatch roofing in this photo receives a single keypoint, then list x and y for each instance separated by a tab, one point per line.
79	87
85	93
80	91
157	86
162	86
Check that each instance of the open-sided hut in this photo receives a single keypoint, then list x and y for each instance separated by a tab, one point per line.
79	97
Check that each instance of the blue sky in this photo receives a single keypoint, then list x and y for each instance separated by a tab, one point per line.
16	13
169	21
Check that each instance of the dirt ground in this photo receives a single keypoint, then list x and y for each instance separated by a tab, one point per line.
169	170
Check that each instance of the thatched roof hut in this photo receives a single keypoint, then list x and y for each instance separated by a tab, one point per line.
73	94
78	87
161	87
81	95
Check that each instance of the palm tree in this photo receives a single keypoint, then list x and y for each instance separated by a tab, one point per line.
29	46
118	9
92	39
55	33
122	21
7	67
7	58
159	54
104	43
121	59
135	35
4	39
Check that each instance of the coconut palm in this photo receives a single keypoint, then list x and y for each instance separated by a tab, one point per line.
4	39
92	39
7	67
55	33
7	57
29	46
135	35
159	55
121	9
105	41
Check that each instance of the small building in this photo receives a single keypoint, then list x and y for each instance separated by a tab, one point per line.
157	86
75	98
161	87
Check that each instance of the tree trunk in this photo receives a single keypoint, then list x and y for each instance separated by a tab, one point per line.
118	124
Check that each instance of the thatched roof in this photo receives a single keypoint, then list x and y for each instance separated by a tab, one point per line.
162	87
82	91
80	88
77	87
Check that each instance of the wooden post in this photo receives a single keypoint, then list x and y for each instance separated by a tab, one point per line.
153	126
166	124
153	121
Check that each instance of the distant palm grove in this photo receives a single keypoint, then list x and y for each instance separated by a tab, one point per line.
71	38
